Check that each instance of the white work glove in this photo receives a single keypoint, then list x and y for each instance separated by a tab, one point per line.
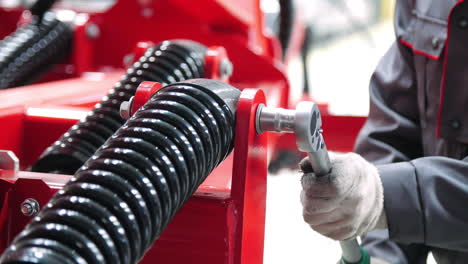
347	202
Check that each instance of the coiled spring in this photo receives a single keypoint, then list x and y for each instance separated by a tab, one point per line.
167	62
120	201
32	49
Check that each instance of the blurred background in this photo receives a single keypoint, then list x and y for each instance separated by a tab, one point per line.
348	37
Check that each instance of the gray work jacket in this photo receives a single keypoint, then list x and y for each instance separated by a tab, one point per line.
418	122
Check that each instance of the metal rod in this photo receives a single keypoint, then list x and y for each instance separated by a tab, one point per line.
320	161
351	252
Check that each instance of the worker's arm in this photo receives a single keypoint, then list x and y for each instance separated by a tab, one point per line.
423	197
426	201
392	132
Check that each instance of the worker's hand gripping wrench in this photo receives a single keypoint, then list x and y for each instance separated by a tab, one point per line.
306	123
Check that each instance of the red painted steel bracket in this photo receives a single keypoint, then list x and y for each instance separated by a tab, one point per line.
249	181
143	93
214	59
16	187
83	47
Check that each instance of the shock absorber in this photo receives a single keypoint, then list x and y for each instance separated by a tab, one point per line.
32	49
120	201
167	62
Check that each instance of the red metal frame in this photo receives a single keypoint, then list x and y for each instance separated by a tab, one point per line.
9	19
143	93
213	59
249	192
237	26
224	220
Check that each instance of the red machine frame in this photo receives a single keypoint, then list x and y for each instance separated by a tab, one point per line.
234	194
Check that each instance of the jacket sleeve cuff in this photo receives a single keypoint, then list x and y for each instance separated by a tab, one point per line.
402	204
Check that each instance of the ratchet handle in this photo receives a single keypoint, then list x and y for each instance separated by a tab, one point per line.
352	253
309	139
320	160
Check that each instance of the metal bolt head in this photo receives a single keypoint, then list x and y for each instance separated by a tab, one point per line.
126	109
147	12
455	124
435	42
128	60
8	160
30	207
463	22
308	125
92	30
225	68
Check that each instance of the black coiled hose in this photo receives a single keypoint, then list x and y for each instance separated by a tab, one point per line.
167	62
120	201
31	50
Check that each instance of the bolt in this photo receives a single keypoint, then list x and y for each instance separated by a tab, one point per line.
128	59
8	160
455	124
30	207
147	12
463	22
435	42
275	120
92	31
225	68
126	108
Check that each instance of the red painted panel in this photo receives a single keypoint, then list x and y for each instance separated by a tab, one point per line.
9	20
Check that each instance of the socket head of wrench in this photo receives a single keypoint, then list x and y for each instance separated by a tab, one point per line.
308	123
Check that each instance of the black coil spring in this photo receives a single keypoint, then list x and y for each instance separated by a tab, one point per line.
120	201
167	62
32	49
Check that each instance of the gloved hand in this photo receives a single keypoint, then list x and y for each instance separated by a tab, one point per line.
347	202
